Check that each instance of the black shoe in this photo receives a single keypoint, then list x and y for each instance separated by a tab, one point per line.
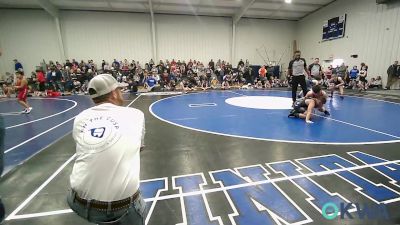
291	114
327	113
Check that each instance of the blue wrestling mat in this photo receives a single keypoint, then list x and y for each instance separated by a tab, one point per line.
262	115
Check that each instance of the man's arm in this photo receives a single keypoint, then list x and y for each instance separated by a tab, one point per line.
389	70
398	71
305	67
309	68
142	145
290	68
320	71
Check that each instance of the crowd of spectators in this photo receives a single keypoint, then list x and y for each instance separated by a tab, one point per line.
72	77
353	78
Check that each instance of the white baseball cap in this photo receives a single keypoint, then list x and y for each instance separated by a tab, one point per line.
103	84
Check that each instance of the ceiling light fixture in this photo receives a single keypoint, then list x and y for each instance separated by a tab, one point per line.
288	1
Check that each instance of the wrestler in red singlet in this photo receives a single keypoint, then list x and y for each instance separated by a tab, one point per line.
22	87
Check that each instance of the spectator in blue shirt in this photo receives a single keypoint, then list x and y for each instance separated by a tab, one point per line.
150	83
353	76
54	77
354	73
18	65
116	64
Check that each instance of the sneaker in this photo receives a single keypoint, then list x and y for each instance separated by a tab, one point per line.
326	112
28	110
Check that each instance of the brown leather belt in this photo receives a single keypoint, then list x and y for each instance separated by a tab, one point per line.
111	206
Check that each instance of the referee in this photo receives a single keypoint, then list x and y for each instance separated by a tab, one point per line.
105	177
297	69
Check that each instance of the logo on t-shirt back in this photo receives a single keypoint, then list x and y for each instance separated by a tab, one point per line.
98	132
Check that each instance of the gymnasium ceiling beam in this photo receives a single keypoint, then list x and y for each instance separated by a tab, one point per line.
153	33
49	7
295	3
55	12
242	11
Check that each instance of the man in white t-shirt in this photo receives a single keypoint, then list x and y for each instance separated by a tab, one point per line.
105	177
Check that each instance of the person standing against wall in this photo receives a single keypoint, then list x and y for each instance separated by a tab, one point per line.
297	70
393	74
18	66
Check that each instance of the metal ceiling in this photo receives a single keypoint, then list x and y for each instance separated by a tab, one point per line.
272	9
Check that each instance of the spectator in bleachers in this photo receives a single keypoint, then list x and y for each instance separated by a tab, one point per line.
18	66
115	64
375	83
365	66
41	82
75	63
168	75
393	74
150	83
353	77
68	63
54	77
211	65
262	74
362	76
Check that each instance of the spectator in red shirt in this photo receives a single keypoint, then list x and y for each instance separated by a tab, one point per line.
41	82
262	72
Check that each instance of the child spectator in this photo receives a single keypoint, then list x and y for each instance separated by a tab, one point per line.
214	83
353	77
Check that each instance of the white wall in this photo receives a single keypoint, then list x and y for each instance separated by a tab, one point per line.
276	35
106	35
191	37
372	32
29	36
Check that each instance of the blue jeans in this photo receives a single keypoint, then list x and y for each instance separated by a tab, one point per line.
135	214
